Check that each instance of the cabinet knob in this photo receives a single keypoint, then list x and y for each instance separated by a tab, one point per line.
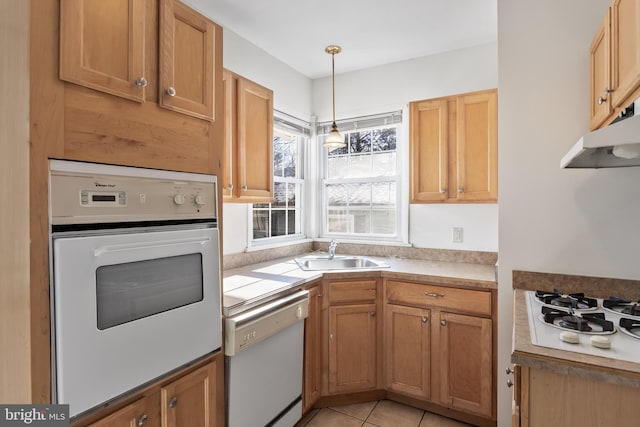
460	190
424	319
509	371
509	383
171	91
142	420
605	94
230	186
244	188
443	190
320	295
173	402
372	314
141	81
443	323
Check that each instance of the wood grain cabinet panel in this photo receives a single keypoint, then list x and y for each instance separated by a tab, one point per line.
102	46
407	354
187	44
600	65
313	349
248	140
191	400
352	348
466	358
454	148
134	415
352	291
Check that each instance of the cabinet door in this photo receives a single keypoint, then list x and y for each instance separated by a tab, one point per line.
102	46
191	400
625	49
313	349
352	348
477	147
255	141
133	415
600	72
187	52
466	360
229	150
407	350
428	121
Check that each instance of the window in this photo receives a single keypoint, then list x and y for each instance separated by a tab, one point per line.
283	219
361	181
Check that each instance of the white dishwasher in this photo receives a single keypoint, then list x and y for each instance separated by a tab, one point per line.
264	349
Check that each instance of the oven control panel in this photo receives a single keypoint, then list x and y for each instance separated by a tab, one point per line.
92	193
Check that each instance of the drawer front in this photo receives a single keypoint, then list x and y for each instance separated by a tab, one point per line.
469	301
352	291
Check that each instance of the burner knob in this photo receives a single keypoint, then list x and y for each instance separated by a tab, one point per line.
570	337
200	200
600	341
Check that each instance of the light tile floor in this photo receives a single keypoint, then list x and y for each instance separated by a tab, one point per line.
382	413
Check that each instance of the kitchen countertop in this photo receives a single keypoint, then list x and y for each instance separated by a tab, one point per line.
565	362
255	284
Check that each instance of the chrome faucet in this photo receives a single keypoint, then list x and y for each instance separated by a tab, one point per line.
332	248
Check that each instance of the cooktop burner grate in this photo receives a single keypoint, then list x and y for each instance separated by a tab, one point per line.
622	306
576	301
591	323
630	327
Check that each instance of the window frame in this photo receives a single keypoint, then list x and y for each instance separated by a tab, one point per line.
301	130
366	123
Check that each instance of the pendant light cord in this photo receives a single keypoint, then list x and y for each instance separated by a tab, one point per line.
333	85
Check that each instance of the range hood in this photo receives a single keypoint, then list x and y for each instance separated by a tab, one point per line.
614	146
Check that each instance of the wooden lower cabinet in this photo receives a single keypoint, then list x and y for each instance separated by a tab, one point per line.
313	349
548	398
195	399
466	360
407	354
352	348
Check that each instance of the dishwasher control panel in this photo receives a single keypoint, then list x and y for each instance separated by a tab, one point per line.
250	327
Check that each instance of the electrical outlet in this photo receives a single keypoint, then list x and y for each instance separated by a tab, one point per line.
456	235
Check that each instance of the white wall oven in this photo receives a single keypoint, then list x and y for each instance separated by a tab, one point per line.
135	278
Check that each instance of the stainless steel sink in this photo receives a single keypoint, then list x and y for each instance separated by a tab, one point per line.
338	263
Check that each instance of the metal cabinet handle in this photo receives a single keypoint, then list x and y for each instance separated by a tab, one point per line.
460	190
141	81
173	402
605	94
424	319
372	314
443	322
509	383
171	91
443	190
509	371
230	186
142	420
434	295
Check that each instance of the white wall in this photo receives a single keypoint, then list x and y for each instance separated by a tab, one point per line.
551	220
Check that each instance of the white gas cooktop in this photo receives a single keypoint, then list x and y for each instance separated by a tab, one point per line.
622	345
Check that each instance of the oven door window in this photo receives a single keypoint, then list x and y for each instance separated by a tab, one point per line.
133	290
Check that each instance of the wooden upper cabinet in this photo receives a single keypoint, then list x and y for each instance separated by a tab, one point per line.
615	62
105	45
248	140
600	64
454	148
102	46
477	147
187	41
429	150
625	49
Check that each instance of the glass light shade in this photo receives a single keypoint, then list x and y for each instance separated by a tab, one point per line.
334	139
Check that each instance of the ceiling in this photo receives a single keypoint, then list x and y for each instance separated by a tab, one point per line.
370	32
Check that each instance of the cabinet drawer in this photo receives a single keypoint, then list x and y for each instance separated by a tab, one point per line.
350	291
439	296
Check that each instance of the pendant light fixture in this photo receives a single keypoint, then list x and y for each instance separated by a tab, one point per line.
334	139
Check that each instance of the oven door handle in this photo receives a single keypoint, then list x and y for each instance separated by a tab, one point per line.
149	245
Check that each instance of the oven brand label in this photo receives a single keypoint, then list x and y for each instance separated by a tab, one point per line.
101	185
36	415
